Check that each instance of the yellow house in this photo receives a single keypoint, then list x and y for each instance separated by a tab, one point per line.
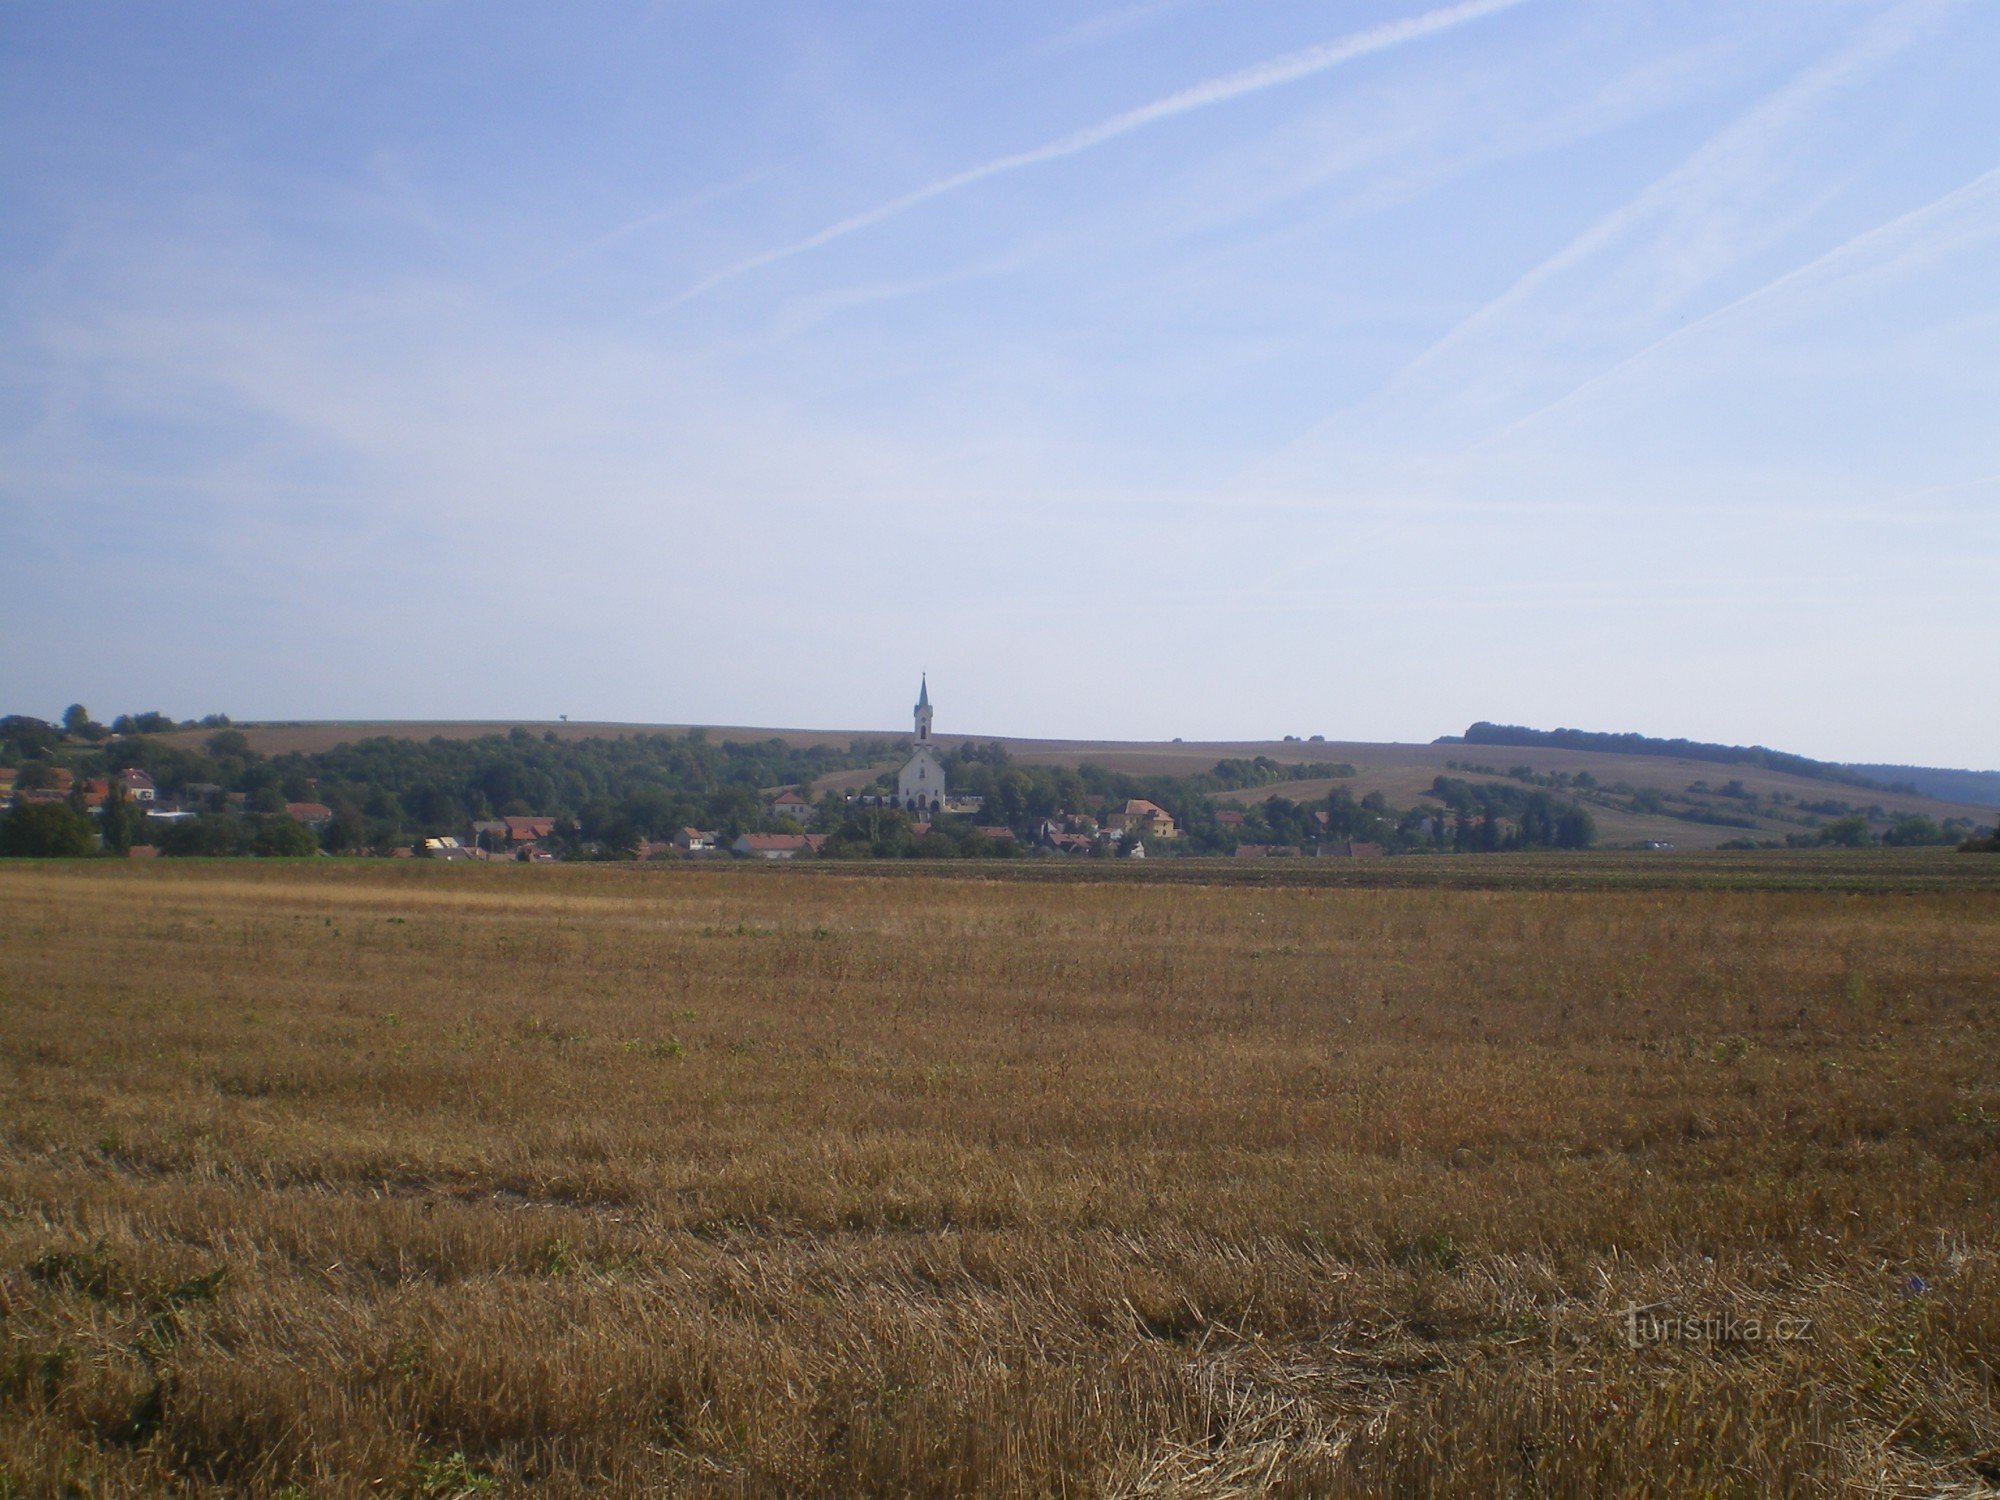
1149	819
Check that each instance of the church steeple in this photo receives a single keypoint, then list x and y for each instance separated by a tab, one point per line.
924	710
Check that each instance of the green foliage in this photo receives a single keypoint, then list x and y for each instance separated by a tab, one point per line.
36	776
78	724
1850	832
281	838
45	830
1914	830
118	821
209	835
22	738
1540	819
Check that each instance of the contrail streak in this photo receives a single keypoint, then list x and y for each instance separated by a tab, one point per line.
1270	74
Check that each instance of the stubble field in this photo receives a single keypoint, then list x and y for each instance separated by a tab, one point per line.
360	1179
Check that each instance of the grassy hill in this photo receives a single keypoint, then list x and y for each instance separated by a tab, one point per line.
1690	803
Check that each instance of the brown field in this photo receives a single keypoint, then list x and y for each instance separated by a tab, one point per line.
1401	773
368	1179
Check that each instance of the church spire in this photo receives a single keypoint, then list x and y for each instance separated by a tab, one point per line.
924	709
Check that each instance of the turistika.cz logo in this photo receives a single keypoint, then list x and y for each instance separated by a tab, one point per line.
1652	1324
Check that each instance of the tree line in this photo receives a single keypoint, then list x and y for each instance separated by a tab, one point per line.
610	795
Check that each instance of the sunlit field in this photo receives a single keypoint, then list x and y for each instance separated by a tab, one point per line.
362	1179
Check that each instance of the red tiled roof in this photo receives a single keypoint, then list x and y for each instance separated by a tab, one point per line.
761	842
308	812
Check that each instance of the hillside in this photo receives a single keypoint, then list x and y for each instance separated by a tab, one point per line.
1981	788
1757	802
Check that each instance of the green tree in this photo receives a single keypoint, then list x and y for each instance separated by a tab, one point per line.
1850	832
76	721
1916	829
36	776
117	819
209	835
281	838
1575	828
45	830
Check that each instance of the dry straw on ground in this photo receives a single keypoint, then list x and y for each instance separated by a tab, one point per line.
346	1179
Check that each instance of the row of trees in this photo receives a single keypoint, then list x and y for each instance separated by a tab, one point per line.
55	830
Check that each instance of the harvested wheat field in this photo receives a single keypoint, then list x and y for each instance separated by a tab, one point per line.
358	1179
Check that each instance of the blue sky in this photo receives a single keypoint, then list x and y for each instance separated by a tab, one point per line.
1137	369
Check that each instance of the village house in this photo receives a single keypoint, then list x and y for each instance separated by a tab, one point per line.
1143	817
789	804
528	830
695	840
315	815
138	786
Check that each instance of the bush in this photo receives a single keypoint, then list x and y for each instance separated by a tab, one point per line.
281	838
209	835
46	830
1915	830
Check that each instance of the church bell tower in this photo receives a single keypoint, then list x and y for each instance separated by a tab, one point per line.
924	710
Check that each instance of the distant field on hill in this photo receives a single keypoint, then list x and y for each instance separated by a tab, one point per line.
1402	773
359	1177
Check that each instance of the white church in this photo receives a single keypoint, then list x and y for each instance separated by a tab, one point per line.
920	785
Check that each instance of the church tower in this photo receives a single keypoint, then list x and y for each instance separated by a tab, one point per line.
920	785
